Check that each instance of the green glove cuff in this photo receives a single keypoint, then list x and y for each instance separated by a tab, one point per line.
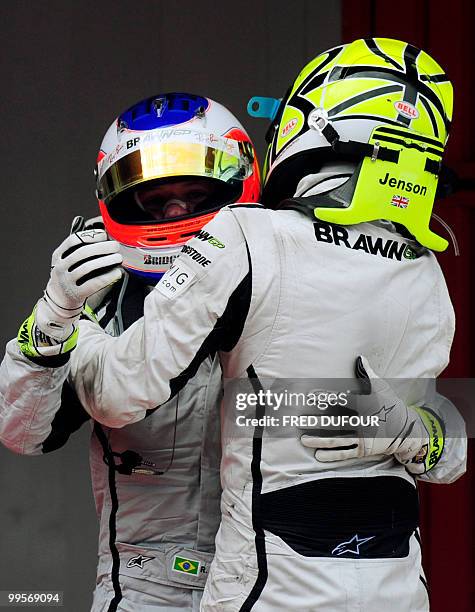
25	336
89	313
436	430
31	339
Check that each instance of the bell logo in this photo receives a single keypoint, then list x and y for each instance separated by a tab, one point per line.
288	127
406	109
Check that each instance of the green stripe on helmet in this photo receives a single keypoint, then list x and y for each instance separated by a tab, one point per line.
359	87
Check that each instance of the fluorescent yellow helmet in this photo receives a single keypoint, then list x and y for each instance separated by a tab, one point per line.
381	103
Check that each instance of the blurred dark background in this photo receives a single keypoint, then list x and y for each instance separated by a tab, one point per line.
68	68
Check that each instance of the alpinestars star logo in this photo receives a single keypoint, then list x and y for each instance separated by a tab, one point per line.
92	233
383	412
351	546
138	561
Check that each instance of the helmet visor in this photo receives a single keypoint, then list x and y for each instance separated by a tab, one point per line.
172	199
217	158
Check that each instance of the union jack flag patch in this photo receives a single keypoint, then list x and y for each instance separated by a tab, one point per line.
400	201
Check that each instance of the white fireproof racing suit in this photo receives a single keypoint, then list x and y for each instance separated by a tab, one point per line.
156	483
281	296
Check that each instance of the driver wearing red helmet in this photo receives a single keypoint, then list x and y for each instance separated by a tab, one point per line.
166	166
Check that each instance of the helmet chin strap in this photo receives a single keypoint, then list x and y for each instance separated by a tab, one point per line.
334	185
331	176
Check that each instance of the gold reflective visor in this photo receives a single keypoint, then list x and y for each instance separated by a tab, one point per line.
161	160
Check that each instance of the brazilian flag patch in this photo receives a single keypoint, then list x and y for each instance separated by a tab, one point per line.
186	566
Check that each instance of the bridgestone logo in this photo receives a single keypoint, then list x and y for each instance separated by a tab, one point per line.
391	249
195	255
163	260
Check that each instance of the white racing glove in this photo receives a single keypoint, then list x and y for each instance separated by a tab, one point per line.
413	435
80	223
83	264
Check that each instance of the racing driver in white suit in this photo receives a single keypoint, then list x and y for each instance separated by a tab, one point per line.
156	483
342	266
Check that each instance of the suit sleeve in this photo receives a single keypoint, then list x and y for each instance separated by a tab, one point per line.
198	307
453	461
38	409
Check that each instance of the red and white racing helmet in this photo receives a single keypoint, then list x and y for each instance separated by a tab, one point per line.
165	167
